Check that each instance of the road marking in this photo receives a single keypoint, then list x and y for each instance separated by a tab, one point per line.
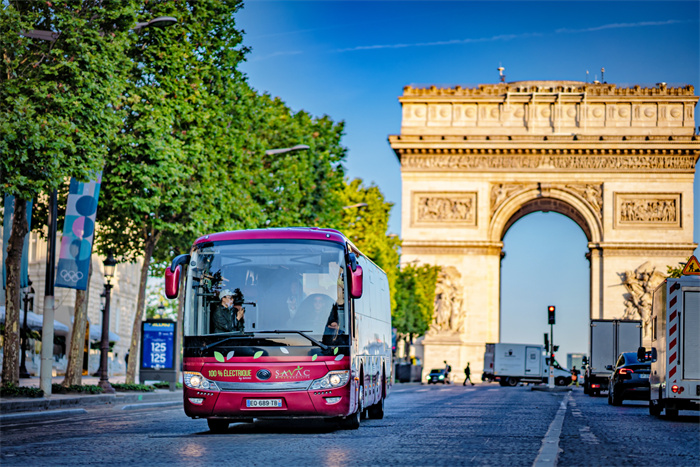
423	390
587	436
493	389
547	457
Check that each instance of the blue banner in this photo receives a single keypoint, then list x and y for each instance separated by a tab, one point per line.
9	207
78	233
158	345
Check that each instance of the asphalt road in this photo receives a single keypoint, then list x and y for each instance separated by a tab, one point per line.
423	425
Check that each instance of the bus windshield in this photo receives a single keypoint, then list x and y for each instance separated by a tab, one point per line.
254	287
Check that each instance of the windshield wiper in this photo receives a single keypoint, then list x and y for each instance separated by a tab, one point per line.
301	333
228	337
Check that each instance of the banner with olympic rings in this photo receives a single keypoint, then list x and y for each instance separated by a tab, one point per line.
9	206
78	234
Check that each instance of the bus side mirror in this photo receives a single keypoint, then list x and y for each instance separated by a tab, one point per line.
355	281
172	275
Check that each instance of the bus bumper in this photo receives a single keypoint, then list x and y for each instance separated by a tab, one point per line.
293	404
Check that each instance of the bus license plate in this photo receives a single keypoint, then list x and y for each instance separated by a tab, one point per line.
263	403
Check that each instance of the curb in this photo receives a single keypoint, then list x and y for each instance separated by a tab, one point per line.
151	405
8	406
41	415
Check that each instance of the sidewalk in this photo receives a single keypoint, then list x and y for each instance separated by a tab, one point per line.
60	404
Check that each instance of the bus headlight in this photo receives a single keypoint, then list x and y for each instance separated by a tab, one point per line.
333	379
195	380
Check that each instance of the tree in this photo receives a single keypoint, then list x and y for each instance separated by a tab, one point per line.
677	271
58	105
365	221
415	300
156	174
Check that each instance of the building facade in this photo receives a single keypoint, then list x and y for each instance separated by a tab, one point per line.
619	162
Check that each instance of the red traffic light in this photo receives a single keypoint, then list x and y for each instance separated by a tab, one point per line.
551	308
550	314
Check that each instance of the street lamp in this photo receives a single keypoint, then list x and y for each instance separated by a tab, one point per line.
110	265
161	310
28	296
298	147
159	22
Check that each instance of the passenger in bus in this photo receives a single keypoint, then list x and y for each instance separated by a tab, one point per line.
317	310
294	299
229	315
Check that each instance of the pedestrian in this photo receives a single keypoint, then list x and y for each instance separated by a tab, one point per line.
574	375
467	375
448	370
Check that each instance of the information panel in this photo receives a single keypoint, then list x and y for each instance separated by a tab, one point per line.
158	345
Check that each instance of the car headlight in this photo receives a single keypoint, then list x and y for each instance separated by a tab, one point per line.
441	377
333	379
195	380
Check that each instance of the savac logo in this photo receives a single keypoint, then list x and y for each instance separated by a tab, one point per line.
297	373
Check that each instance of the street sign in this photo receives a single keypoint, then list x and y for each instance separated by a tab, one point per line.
158	350
692	267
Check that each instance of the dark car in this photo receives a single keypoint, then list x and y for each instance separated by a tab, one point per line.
629	380
437	376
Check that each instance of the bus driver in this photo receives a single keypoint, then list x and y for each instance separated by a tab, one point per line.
228	316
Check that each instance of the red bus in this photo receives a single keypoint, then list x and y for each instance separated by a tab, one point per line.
283	323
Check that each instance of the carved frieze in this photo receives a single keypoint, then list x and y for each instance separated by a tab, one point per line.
640	285
444	209
546	162
592	194
648	210
448	312
502	191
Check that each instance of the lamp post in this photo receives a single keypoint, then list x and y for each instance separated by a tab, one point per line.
28	296
298	147
161	311
110	265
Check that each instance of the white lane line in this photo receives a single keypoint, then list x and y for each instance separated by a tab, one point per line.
423	390
492	389
547	457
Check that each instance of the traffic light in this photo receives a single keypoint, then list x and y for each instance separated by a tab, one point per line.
555	348
550	313
546	342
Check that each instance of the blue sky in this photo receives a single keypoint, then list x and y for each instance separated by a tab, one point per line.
351	60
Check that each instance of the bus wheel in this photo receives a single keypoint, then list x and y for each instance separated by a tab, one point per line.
218	425
376	411
351	422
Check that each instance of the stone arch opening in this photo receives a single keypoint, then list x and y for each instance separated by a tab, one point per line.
547	205
579	203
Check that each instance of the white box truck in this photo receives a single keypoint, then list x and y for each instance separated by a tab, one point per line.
675	352
609	338
510	364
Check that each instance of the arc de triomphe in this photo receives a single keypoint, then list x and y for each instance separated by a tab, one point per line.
619	162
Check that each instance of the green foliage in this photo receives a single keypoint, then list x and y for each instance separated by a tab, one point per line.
677	271
58	98
12	390
76	389
166	385
415	299
366	226
155	298
133	387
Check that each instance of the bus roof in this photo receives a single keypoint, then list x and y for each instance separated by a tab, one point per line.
286	233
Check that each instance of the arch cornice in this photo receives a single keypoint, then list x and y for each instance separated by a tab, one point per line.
573	197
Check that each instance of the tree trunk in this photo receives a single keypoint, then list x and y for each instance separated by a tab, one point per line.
74	370
11	346
140	305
